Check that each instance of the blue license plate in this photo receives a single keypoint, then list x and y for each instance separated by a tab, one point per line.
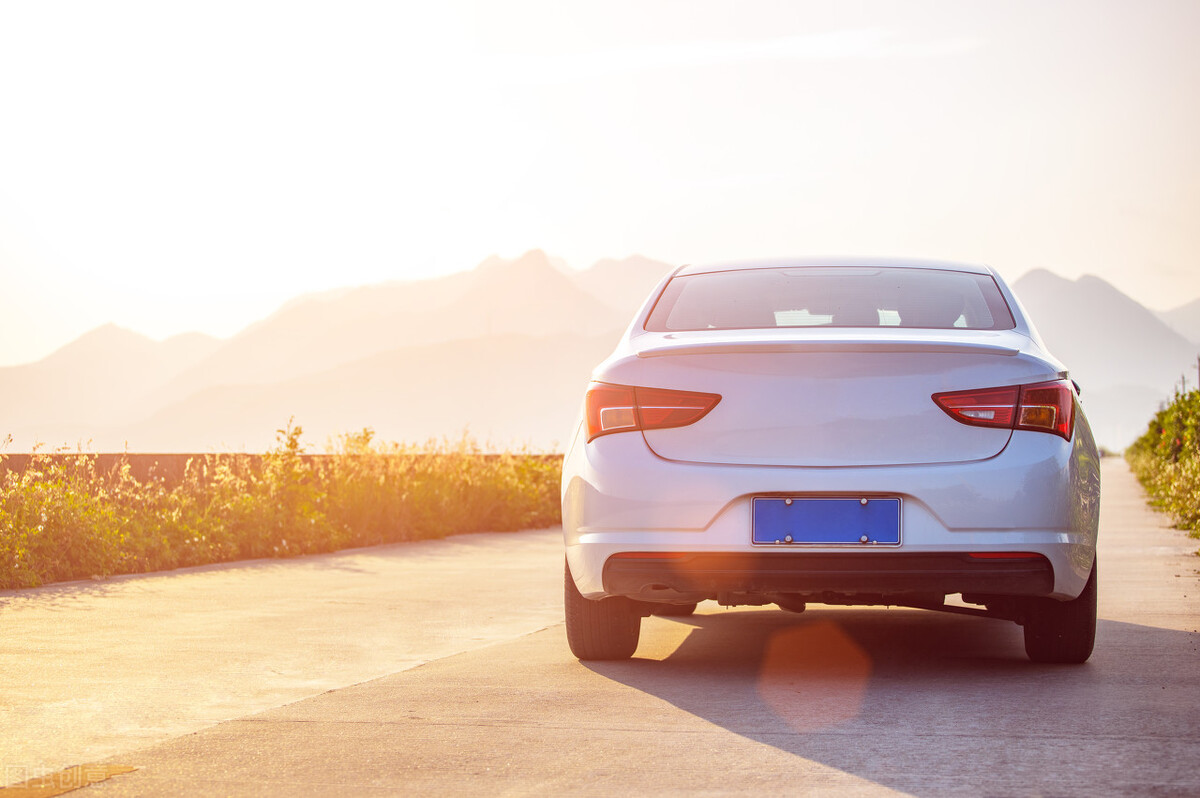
868	522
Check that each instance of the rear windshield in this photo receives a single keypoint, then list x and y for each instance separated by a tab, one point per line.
831	297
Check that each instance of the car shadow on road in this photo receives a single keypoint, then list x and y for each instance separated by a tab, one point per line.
908	698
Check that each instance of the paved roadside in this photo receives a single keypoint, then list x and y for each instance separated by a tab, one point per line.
92	669
1150	573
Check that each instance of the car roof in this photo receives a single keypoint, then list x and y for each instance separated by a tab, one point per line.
834	262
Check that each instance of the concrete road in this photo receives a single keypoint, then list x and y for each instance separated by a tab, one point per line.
92	669
845	700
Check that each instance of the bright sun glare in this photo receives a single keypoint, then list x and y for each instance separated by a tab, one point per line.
174	167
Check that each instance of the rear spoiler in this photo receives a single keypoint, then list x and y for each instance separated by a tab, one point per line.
835	346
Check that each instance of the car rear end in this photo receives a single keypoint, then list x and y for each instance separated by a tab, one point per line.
848	433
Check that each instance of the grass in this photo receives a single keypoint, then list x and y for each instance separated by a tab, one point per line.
63	518
1166	459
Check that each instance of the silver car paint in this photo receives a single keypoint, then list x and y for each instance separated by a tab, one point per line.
1016	491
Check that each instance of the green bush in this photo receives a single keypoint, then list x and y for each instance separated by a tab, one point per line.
62	518
1166	459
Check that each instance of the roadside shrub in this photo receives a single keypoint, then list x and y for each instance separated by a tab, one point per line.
61	518
1166	459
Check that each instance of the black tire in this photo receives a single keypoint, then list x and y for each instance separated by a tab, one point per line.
673	610
605	629
1062	631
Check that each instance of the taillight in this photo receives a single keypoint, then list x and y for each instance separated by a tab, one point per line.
990	407
621	408
1048	407
1042	407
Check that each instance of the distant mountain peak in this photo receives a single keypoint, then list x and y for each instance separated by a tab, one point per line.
492	261
100	341
192	337
111	331
532	259
1185	320
534	268
1039	279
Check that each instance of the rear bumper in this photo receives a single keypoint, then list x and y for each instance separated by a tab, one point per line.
1038	496
825	575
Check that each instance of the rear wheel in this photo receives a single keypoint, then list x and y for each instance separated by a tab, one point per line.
607	628
673	610
1062	631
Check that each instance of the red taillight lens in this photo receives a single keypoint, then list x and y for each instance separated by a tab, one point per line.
610	408
1042	407
1048	407
620	408
989	407
660	408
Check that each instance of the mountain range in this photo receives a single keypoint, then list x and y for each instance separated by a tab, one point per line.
501	352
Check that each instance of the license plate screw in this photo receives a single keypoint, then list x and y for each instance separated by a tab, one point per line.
863	502
788	502
787	538
864	539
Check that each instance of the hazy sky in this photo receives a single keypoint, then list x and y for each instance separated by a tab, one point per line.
174	166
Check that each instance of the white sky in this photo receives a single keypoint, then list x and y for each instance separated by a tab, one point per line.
174	166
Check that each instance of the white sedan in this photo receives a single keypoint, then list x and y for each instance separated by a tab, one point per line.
860	432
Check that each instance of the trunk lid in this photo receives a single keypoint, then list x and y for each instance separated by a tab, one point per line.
829	398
